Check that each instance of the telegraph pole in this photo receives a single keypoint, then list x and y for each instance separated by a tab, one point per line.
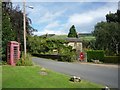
24	25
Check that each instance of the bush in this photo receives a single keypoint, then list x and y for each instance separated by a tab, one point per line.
25	61
68	57
3	63
95	55
111	59
65	58
67	54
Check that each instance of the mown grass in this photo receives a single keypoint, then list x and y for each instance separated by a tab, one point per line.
30	77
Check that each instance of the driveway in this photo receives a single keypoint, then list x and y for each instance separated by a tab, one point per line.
105	75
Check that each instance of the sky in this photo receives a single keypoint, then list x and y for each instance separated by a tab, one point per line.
58	17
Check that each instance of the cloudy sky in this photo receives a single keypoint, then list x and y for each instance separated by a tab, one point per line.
58	17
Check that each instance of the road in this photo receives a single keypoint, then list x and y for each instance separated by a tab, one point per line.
105	75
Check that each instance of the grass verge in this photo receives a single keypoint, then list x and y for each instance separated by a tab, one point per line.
31	77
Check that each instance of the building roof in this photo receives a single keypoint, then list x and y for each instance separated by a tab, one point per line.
73	39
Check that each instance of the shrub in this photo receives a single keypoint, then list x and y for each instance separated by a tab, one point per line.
111	59
65	58
3	63
25	61
68	57
0	62
95	55
67	54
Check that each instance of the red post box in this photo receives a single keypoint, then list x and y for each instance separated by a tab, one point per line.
81	56
13	52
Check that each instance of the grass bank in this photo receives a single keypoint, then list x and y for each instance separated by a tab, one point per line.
32	77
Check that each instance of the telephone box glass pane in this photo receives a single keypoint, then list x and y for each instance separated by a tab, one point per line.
15	54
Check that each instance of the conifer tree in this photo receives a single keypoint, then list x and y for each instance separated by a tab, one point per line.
72	33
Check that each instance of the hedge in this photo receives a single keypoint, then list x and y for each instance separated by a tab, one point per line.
95	55
47	56
65	58
112	59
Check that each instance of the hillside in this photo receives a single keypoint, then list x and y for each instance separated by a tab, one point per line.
82	37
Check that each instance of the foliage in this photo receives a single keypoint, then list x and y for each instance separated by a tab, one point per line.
82	37
12	25
107	34
25	61
0	30
67	58
88	40
113	17
4	63
72	33
111	59
8	34
30	77
17	24
35	44
95	55
67	54
39	45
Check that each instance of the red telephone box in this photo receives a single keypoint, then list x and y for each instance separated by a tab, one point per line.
81	56
13	52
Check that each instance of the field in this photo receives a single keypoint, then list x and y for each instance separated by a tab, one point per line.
82	37
32	77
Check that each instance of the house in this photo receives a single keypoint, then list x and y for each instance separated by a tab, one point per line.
75	43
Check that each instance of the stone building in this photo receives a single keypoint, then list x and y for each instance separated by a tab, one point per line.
75	43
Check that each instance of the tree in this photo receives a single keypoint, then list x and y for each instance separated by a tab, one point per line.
8	34
113	17
107	34
16	16
72	33
0	30
118	16
41	45
12	25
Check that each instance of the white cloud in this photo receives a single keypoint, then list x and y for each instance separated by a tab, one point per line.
52	25
91	16
78	19
47	31
49	21
50	16
66	0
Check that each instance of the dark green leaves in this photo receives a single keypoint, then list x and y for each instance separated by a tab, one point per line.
72	33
